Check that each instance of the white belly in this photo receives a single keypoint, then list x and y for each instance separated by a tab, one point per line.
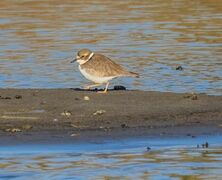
95	79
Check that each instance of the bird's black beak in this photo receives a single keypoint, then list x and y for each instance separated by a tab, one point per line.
74	60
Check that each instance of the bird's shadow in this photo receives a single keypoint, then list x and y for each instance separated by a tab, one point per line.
115	88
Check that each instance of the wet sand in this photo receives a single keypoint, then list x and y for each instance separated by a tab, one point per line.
72	115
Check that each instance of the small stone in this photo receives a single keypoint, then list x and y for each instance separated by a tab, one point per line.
123	125
205	145
74	135
55	120
179	68
66	113
18	97
86	98
43	102
99	112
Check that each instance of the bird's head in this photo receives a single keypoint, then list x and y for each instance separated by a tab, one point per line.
83	56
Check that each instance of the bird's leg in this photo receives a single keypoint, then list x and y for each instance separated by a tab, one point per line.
105	90
90	86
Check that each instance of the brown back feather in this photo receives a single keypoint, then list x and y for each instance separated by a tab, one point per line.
100	65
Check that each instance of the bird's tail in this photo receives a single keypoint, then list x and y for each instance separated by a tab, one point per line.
133	74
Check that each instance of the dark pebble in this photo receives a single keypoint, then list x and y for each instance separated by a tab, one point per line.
116	88
179	68
18	97
123	126
205	145
5	97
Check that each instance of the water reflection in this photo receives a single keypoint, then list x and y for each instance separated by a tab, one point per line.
167	159
148	37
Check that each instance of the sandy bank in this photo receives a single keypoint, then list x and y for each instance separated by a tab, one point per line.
61	114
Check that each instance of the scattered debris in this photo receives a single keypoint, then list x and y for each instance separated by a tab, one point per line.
19	117
74	135
194	97
124	126
7	97
66	113
13	130
99	112
179	68
86	98
191	135
205	145
43	102
55	120
116	88
18	97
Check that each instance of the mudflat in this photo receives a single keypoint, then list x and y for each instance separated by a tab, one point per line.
58	115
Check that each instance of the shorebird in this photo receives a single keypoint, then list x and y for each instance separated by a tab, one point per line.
99	68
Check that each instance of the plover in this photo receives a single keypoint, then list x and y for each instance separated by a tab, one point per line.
99	68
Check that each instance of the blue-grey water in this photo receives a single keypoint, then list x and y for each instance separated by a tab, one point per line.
39	38
167	159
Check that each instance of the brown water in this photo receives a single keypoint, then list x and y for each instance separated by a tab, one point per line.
149	37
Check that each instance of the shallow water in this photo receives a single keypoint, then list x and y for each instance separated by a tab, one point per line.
168	158
150	37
